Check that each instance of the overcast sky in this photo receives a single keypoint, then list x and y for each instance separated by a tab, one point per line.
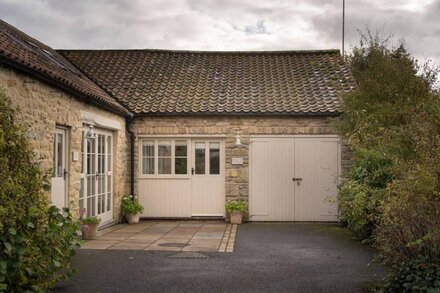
224	24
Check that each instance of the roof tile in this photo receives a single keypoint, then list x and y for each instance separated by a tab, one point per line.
164	81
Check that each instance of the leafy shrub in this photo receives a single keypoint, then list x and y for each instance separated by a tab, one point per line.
408	236
362	193
359	208
416	275
131	205
36	241
236	205
392	195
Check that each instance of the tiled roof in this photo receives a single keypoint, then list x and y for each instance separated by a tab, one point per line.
173	82
26	53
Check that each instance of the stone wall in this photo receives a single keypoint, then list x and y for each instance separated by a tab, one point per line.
42	109
237	176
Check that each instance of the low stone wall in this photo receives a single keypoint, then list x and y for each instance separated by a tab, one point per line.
237	176
42	109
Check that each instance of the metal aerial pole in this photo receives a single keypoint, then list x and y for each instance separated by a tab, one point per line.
343	26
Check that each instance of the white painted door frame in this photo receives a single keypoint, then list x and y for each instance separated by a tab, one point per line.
208	178
97	176
59	182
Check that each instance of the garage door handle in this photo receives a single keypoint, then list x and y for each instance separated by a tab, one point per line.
296	179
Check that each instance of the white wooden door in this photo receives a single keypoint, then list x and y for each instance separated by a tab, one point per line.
207	181
272	188
97	176
316	164
294	178
59	179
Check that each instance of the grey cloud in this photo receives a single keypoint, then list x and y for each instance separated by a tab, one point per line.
222	24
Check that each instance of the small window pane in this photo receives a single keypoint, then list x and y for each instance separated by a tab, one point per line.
99	204
60	155
181	148
164	148
148	149
81	190
181	166
148	166
214	158
164	165
82	153
109	145
109	193
54	156
81	204
200	158
109	162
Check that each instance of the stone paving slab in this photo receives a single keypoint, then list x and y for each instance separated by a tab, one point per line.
167	236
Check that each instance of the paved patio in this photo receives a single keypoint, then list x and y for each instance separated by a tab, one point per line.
214	236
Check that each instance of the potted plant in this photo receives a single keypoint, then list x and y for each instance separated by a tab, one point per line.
89	227
131	209
236	209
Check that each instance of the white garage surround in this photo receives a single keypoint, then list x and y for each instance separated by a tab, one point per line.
182	177
294	178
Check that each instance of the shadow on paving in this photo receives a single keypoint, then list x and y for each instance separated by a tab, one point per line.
299	257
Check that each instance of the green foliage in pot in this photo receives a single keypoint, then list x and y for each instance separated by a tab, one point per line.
37	241
130	205
90	220
236	205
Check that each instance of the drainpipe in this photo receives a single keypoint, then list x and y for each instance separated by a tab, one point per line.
128	123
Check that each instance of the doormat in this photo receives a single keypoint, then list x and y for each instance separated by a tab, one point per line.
189	255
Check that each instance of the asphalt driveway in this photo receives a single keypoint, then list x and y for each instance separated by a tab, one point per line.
284	257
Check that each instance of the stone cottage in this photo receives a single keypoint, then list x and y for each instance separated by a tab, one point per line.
183	130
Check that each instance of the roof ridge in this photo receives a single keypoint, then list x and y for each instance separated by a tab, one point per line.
250	52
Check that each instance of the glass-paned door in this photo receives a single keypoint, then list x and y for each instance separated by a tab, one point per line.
59	177
207	180
96	193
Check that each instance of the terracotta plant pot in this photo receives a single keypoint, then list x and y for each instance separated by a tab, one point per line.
89	231
133	218
236	217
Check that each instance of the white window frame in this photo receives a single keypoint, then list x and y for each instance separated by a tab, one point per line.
173	157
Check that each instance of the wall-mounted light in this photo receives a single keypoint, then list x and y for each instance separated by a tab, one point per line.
90	134
237	140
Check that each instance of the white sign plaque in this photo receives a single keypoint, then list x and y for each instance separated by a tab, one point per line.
75	156
237	161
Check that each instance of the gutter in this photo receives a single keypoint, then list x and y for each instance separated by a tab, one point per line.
128	123
238	114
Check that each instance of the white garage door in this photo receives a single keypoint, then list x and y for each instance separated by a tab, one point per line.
294	178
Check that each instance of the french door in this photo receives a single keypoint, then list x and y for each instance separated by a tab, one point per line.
96	176
59	178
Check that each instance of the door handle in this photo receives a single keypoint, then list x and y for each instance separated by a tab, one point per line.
64	174
192	171
298	180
